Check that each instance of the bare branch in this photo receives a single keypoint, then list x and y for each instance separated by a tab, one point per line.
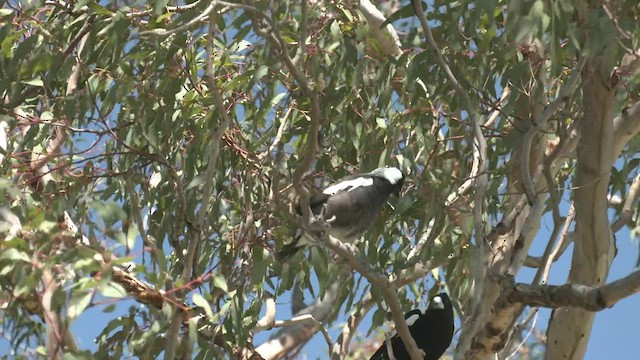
593	254
464	94
629	204
498	108
268	320
626	126
387	38
575	295
302	319
341	347
290	337
54	335
4	128
548	258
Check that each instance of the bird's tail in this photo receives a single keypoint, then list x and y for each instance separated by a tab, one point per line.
381	354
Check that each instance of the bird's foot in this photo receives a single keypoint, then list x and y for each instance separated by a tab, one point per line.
319	224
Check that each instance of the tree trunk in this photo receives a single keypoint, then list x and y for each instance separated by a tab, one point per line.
569	328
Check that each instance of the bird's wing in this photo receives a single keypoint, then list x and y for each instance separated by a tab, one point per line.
412	316
348	185
315	202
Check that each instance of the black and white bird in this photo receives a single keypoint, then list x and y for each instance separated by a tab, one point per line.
350	206
431	329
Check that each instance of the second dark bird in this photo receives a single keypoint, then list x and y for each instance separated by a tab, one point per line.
431	329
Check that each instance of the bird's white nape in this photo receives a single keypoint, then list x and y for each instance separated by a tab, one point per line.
348	185
392	174
437	303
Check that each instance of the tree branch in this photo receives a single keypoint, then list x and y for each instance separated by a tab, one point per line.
629	204
625	127
386	37
207	188
290	337
575	295
301	319
389	292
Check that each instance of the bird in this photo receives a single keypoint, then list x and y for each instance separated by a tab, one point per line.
431	329
350	206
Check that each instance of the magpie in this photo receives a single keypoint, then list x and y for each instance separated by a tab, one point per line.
349	206
431	329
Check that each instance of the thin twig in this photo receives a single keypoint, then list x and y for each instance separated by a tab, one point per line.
214	149
479	166
627	209
543	273
533	315
207	189
498	108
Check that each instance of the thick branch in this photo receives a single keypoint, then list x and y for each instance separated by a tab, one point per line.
386	37
593	250
290	337
574	295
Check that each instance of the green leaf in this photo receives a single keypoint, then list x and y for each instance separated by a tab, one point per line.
112	290
200	301
34	82
14	254
78	304
403	13
159	6
197	181
98	9
220	282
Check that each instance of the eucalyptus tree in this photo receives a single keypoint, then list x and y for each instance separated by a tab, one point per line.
152	153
